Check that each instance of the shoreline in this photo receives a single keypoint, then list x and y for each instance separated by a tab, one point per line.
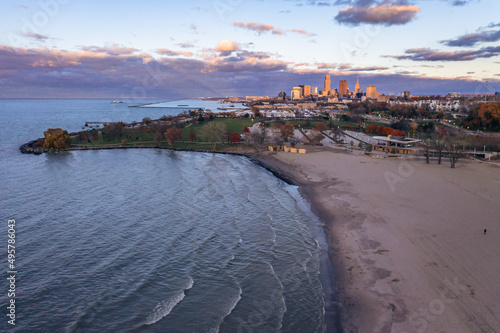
405	260
389	265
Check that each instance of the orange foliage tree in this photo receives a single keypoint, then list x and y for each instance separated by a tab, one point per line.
56	138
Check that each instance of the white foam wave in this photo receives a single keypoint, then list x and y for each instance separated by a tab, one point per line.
230	307
164	308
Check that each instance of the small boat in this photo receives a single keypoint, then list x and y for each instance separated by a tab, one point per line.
232	105
113	102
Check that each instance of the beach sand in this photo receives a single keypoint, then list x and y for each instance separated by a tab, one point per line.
406	238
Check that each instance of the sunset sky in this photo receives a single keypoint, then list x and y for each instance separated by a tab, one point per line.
167	49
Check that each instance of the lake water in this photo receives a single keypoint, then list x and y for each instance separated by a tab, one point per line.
151	240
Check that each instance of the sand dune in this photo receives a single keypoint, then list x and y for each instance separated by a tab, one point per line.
406	239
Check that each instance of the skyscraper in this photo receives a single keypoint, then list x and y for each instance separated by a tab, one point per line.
356	87
343	88
371	92
327	84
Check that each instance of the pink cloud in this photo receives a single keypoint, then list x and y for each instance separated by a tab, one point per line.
227	46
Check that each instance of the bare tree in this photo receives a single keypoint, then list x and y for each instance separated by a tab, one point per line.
172	135
315	137
213	132
452	145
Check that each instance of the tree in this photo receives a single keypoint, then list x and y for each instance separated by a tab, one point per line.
287	131
234	137
56	138
158	137
439	139
255	111
315	137
94	135
452	144
146	121
331	124
192	135
213	132
172	135
320	127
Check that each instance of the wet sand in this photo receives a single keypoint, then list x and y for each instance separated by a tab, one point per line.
406	238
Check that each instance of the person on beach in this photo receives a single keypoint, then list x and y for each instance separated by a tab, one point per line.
484	232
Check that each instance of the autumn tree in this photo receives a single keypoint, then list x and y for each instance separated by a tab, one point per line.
287	131
255	111
56	138
172	135
158	137
192	135
94	135
146	121
320	127
234	137
213	132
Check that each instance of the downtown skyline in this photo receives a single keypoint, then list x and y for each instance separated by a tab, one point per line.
64	48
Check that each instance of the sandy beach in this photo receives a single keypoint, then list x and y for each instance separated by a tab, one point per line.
406	239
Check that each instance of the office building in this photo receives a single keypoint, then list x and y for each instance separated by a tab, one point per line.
343	88
371	92
328	87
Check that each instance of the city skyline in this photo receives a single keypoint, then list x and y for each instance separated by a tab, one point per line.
63	48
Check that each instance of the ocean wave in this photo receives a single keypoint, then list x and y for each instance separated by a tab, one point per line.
164	308
228	309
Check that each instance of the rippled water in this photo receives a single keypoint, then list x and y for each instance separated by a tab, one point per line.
151	240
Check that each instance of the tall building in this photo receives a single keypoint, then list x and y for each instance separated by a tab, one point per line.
371	92
305	90
343	88
296	93
327	84
314	90
407	94
356	87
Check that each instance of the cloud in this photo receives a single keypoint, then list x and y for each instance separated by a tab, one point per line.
40	38
368	69
227	46
383	14
114	49
193	27
473	39
22	6
167	52
261	28
186	45
319	3
425	54
459	2
303	32
102	72
258	27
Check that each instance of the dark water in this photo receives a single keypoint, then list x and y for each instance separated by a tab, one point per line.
152	240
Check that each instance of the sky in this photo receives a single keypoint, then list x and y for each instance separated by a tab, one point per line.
168	49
